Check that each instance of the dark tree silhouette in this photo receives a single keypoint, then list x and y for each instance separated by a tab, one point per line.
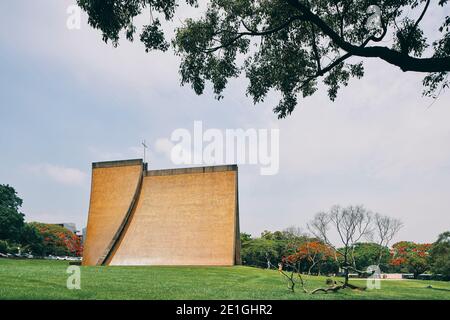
286	45
11	219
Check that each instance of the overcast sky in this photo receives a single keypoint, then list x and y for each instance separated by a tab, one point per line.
67	99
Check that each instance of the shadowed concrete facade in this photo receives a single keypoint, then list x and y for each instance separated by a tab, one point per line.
187	216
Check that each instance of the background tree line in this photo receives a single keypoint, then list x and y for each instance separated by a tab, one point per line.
38	239
364	237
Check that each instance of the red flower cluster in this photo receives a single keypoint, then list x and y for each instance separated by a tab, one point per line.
57	236
312	251
410	255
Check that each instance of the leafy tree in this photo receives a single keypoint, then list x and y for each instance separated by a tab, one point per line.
269	249
288	234
286	45
245	237
440	255
37	238
411	257
261	252
10	247
11	220
58	240
368	254
4	246
32	240
314	253
268	235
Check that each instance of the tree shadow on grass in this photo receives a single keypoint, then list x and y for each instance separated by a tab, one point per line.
439	289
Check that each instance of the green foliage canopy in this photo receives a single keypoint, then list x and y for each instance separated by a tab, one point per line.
270	247
11	220
367	254
440	255
58	240
37	238
411	257
286	45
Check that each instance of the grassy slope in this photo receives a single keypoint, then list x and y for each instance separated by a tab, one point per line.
39	279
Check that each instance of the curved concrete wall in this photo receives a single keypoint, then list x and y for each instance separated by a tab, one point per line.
183	216
113	187
182	219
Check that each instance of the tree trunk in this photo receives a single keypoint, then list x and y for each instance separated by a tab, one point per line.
346	277
310	268
346	269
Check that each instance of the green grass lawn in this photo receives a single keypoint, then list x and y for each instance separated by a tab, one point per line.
42	279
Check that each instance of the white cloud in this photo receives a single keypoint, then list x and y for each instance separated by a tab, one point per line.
164	146
60	174
99	154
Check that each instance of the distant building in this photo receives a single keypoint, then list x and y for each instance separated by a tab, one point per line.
83	235
68	225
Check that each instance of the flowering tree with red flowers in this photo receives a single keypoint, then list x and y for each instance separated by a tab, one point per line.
314	253
414	257
59	240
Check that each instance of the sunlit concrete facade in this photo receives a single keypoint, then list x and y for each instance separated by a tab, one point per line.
187	216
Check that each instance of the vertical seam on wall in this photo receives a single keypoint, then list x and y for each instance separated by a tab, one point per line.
237	241
89	212
126	220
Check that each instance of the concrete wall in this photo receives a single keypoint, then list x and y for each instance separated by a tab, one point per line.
180	217
113	186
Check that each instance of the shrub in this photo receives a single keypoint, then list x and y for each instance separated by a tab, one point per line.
3	246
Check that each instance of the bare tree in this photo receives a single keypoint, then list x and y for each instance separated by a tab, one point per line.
294	231
385	230
352	224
